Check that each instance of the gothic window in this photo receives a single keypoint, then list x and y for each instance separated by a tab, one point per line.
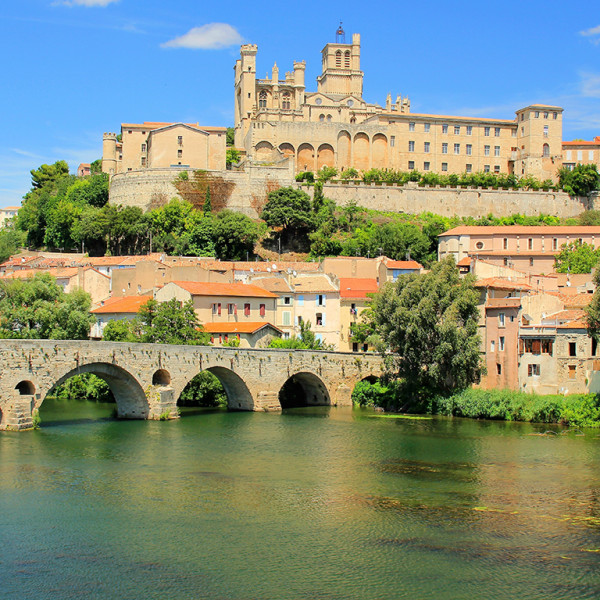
286	102
347	59
329	118
338	59
321	118
262	99
546	151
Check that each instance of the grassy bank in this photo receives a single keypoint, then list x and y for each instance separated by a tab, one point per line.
577	410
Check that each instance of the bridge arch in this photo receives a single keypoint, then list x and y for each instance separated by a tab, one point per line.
161	377
304	389
25	388
239	396
129	395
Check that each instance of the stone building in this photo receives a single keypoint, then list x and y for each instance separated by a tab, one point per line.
335	126
163	145
581	152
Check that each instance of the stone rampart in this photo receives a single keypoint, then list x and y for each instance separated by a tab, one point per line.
449	201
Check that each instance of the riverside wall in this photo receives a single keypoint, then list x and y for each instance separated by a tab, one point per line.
246	192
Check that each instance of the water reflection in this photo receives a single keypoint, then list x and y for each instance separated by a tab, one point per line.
316	502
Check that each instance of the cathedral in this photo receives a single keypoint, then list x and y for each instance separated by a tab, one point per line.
334	126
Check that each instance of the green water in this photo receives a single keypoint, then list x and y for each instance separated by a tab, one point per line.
309	504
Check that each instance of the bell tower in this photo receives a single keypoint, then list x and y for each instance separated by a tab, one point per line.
341	67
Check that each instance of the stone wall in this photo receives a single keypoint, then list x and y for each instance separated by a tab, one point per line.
246	192
462	202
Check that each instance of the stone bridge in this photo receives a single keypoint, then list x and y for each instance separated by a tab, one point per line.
147	379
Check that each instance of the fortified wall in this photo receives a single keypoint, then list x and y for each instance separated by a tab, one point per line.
453	201
246	192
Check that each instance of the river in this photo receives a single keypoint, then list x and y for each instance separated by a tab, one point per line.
315	503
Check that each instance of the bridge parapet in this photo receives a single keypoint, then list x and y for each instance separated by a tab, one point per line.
147	379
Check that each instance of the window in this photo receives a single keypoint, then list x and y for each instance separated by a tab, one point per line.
505	261
572	371
411	126
411	165
469	168
338	59
493	346
286	102
469	130
300	321
287	301
501	343
329	118
554	243
444	148
594	346
486	168
321	118
497	131
444	128
286	317
590	155
262	310
545	150
426	146
216	309
545	130
499	368
530	244
143	161
457	130
514	133
232	309
545	115
262	99
247	309
537	114
426	166
347	59
505	244
469	149
496	168
486	131
426	127
353	310
300	300
411	146
456	148
179	153
579	154
572	349
180	140
319	101
393	140
496	150
444	166
555	115
533	370
479	245
320	299
486	150
501	320
319	321
143	147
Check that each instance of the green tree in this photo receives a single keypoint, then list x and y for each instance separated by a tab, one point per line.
96	166
290	209
234	235
11	240
579	181
171	322
428	323
122	330
230	136
207	208
39	309
577	257
232	156
48	174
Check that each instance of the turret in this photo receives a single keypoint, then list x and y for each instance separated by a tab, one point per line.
109	153
245	91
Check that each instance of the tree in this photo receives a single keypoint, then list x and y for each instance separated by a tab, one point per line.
577	257
11	240
234	235
48	174
96	166
428	323
579	181
39	309
290	209
207	208
171	322
230	136
307	340
232	156
593	310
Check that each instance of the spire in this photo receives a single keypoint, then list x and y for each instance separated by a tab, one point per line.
340	35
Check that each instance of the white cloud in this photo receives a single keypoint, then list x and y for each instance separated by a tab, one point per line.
208	37
590	85
88	2
590	31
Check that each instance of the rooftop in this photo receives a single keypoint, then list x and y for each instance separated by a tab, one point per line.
126	304
238	290
236	327
357	288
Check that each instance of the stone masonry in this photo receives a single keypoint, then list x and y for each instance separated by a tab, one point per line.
147	379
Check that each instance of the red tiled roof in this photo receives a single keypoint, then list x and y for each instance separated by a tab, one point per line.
241	290
501	284
578	324
573	300
357	288
464	262
126	304
403	264
236	327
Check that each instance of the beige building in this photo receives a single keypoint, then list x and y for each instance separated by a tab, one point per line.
158	145
223	302
530	250
355	295
6	214
581	152
115	309
334	126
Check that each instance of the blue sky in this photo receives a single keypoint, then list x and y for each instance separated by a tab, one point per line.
74	69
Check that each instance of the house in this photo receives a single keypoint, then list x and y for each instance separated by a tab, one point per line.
355	295
115	309
248	335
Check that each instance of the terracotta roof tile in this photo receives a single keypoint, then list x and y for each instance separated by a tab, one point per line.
357	288
403	264
501	284
236	327
313	283
126	304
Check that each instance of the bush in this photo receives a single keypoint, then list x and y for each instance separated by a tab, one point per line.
307	176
